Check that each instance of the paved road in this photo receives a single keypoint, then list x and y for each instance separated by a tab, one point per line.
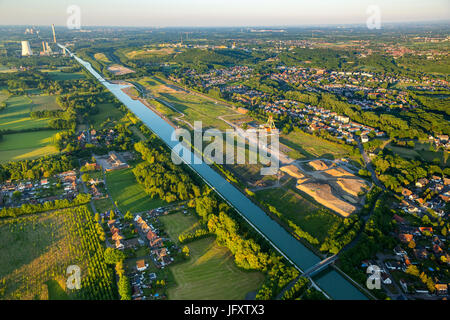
369	167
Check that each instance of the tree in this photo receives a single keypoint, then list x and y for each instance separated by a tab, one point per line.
412	244
124	288
111	215
128	216
113	256
186	251
97	217
85	177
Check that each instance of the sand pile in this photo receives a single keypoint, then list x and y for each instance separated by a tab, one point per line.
339	172
352	186
318	165
293	171
322	193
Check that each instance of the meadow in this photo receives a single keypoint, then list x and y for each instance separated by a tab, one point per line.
210	273
128	193
58	75
303	212
27	145
106	111
16	116
195	108
422	151
309	146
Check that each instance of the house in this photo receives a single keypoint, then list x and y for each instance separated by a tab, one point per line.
441	288
421	183
385	278
119	245
405	237
426	230
406	192
140	265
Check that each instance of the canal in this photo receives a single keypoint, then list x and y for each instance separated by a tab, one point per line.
333	283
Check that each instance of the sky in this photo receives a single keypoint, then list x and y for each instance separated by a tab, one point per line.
200	13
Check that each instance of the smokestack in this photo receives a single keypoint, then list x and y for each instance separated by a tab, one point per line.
54	34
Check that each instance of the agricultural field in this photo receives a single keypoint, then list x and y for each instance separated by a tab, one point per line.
27	145
58	75
16	116
37	250
195	108
303	212
44	102
210	273
309	146
128	193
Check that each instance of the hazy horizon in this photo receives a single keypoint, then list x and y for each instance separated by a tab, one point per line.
220	13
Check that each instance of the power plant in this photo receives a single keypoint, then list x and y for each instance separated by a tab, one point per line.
26	49
46	50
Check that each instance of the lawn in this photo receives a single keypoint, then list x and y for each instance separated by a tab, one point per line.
103	205
128	193
310	146
16	116
299	210
210	274
28	145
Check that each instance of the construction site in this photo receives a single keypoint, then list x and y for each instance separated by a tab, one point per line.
332	184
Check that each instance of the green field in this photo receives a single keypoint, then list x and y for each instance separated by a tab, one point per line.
421	151
178	223
106	111
103	205
28	145
16	116
299	210
194	107
211	273
309	146
58	75
43	102
128	193
35	253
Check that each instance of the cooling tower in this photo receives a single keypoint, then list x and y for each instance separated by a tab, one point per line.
26	49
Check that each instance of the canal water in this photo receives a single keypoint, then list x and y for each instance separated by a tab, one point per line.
333	283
